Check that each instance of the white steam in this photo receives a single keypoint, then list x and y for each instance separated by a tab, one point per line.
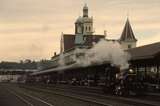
61	60
103	51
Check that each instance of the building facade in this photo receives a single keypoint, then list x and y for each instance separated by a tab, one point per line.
84	38
84	34
145	60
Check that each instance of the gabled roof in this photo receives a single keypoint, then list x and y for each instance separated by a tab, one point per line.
127	34
145	52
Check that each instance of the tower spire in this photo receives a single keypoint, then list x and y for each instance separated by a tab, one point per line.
84	24
127	33
127	14
85	10
127	38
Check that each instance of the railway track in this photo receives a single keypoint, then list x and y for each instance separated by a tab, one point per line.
93	91
99	92
24	97
31	100
100	99
91	101
28	99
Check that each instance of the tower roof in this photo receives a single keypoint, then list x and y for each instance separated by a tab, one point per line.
85	11
85	6
127	34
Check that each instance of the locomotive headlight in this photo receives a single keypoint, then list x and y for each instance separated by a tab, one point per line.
131	71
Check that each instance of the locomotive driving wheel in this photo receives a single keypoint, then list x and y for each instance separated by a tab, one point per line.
120	90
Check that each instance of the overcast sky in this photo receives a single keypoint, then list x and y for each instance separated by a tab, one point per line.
31	29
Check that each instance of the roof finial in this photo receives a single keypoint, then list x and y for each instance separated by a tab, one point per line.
85	6
105	31
127	15
85	2
85	10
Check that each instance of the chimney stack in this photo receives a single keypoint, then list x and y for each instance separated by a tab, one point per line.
105	33
55	53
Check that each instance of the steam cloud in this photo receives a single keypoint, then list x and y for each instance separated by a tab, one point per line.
61	60
103	51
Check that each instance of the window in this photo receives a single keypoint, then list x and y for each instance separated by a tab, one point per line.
129	46
86	28
141	71
151	74
84	38
89	28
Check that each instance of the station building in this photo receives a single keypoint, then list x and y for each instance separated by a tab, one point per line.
84	38
145	59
